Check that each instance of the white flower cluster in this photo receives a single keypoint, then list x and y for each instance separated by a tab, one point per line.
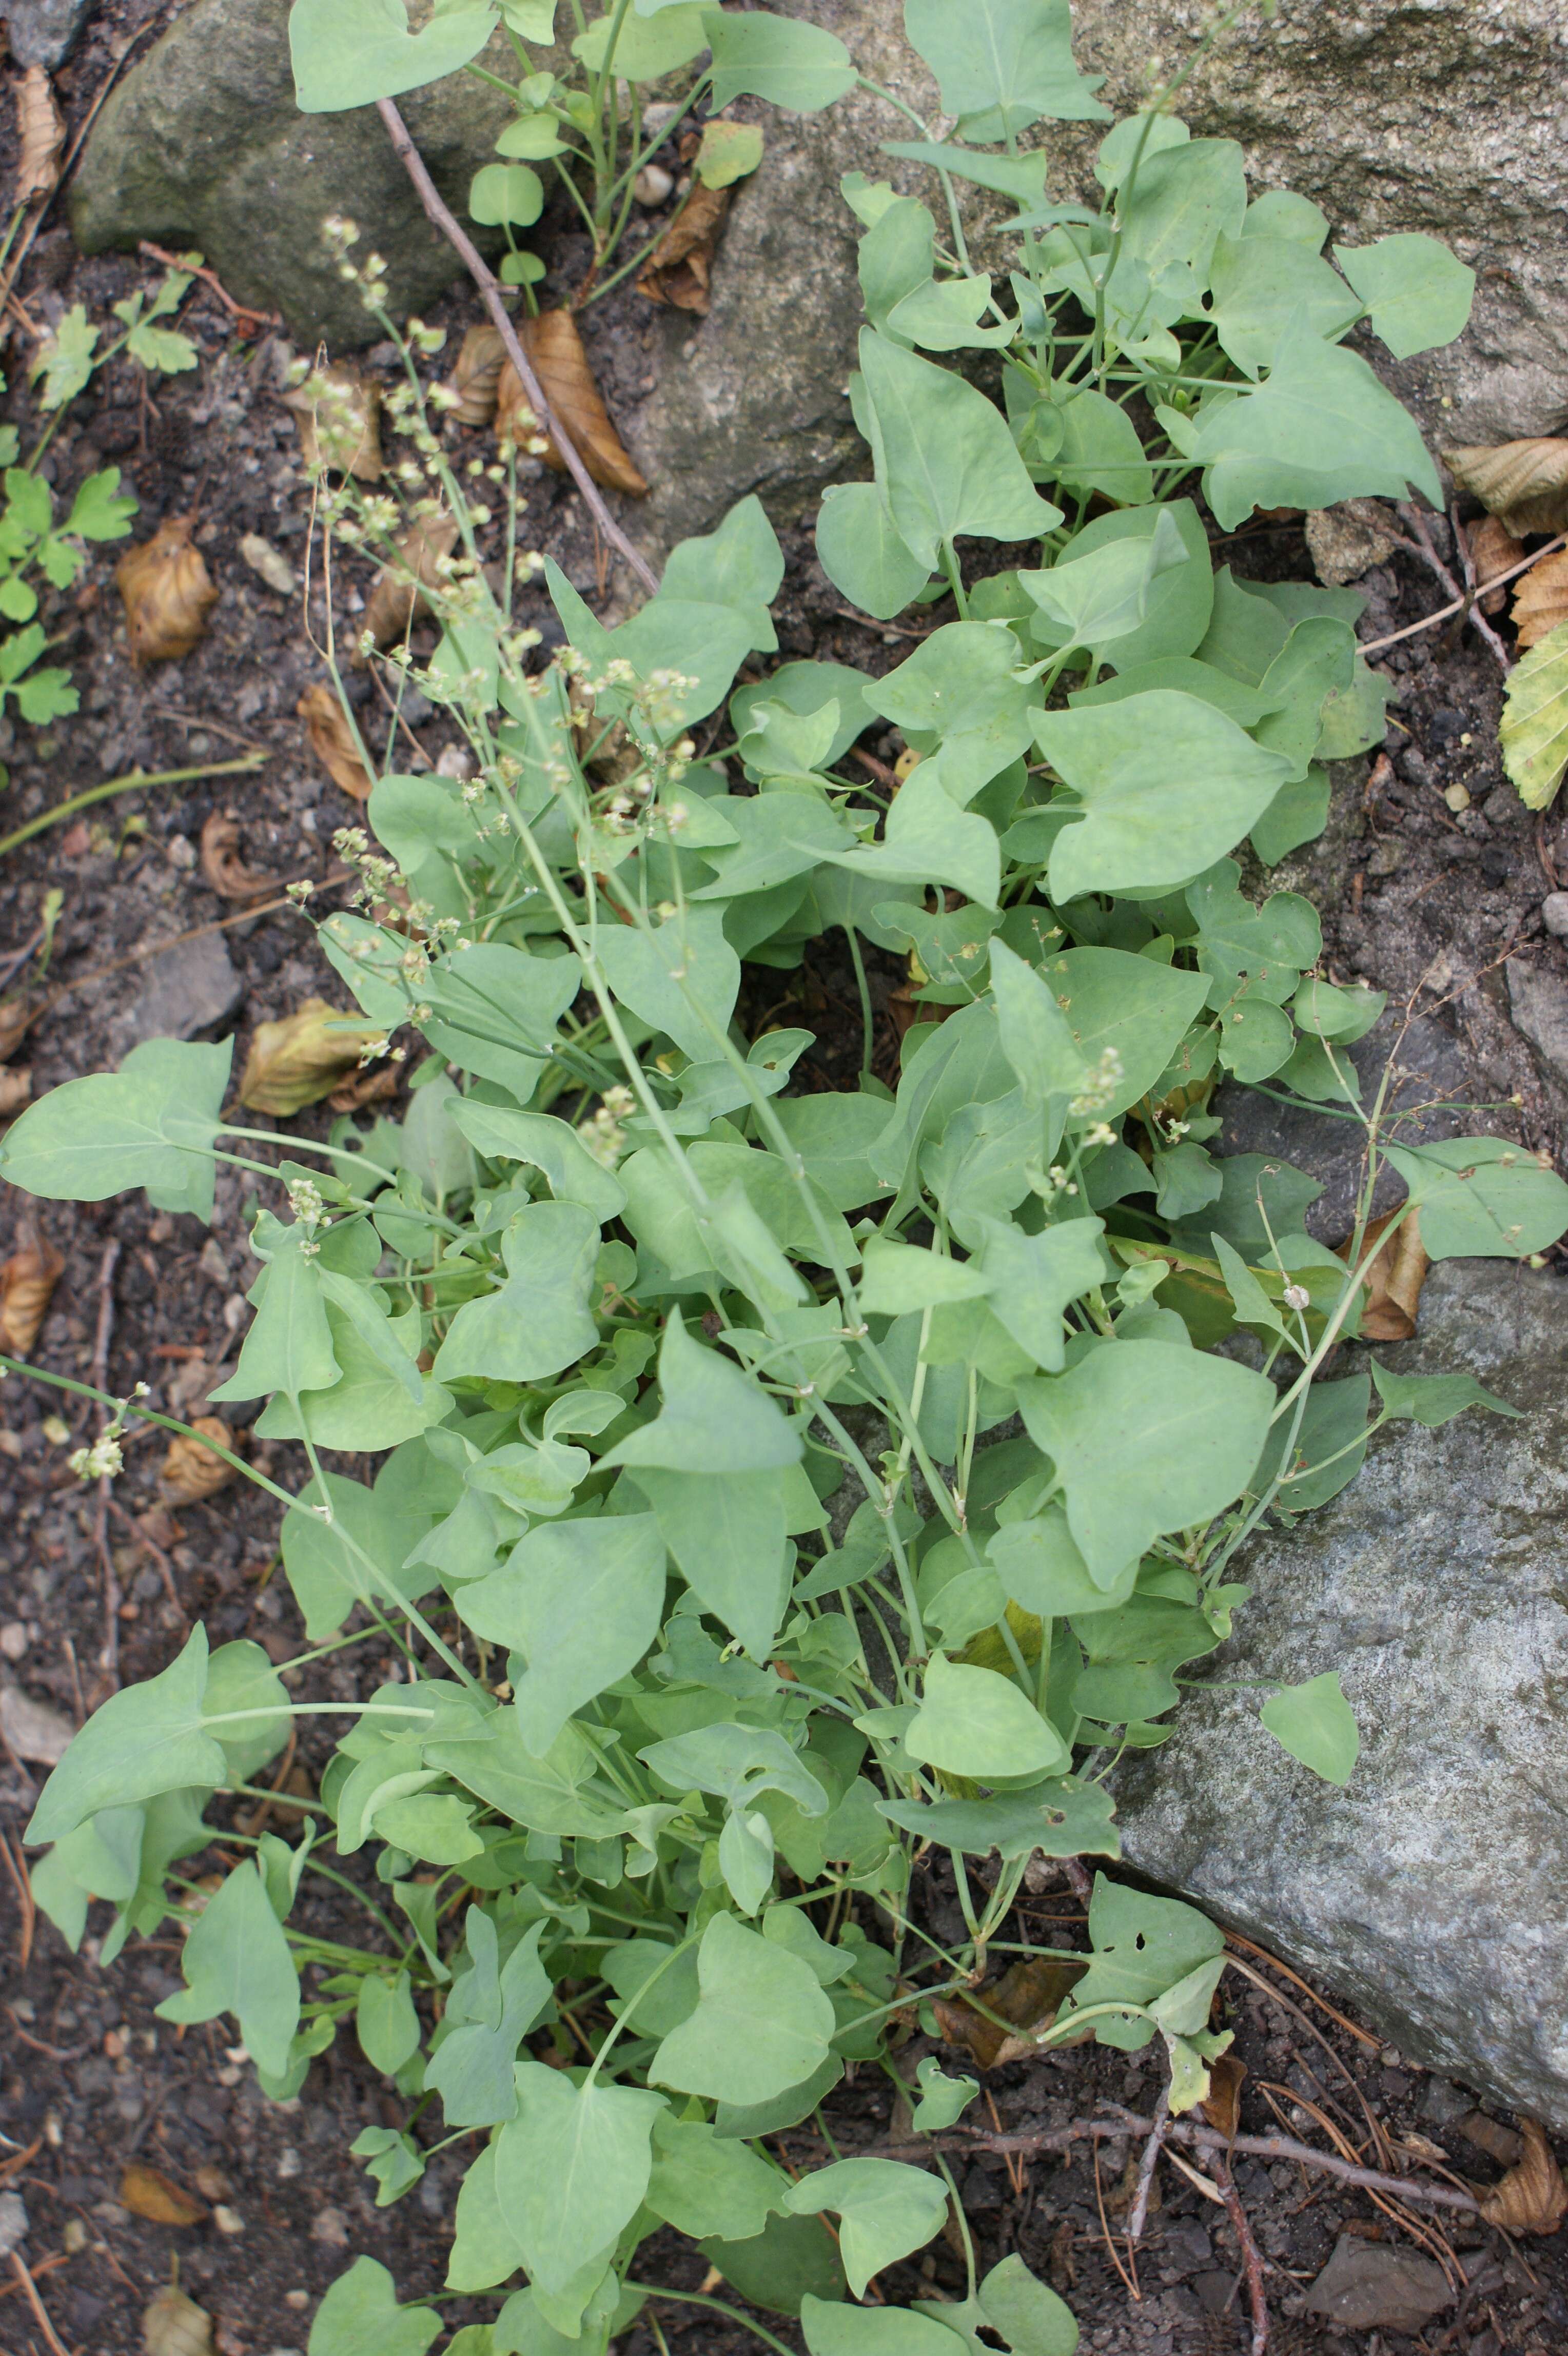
602	1132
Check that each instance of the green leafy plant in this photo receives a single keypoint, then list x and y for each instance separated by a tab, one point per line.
584	122
780	1489
31	539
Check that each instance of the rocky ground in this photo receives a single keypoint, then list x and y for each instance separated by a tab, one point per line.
1433	884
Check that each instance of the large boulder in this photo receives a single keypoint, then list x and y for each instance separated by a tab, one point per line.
203	145
1432	1892
1445	115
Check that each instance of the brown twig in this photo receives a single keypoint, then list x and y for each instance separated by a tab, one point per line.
19	2268
1379	2141
209	279
1362	2036
44	2266
109	1659
1145	2183
1443	613
69	1651
19	2159
16	1867
1469	611
1183	2131
1252	2258
1130	2280
484	279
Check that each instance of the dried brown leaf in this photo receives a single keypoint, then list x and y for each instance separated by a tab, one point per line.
476	375
167	592
678	269
26	1280
1222	2106
40	133
1493	550
1540	598
1532	2197
1016	2006
173	2325
370	1088
333	742
1393	1281
223	865
190	1471
148	2192
555	353
299	1060
398	599
1524	483
17	1015
15	1089
339	413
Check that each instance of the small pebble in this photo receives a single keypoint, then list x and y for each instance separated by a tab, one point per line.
228	2221
181	852
1554	914
651	186
74	2238
13	1639
1458	797
297	2299
13	2223
330	2225
288	2162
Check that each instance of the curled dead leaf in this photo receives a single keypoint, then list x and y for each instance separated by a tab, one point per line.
678	269
17	1015
167	592
399	598
1532	2197
223	865
555	353
333	742
26	1280
15	1089
1493	550
148	2192
370	1088
1540	598
1393	1281
339	413
190	1471
301	1058
1222	2106
40	134
1523	483
1000	2022
173	2325
476	375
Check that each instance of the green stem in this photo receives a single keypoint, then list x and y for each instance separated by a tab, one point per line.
134	783
719	2306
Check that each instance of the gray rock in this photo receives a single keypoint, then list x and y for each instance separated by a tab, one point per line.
1369	2285
34	1730
753	397
1554	915
191	986
1431	1066
203	145
1538	1004
1347	541
1449	116
1432	1893
13	2223
44	32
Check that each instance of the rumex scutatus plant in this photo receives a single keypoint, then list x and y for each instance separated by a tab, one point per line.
780	1489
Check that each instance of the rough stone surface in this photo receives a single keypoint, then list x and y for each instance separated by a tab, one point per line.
203	145
1538	1001
193	987
1431	1065
32	1728
753	397
1369	2285
1432	1892
44	32
1445	115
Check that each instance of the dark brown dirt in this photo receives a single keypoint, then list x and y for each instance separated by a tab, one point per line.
89	2079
